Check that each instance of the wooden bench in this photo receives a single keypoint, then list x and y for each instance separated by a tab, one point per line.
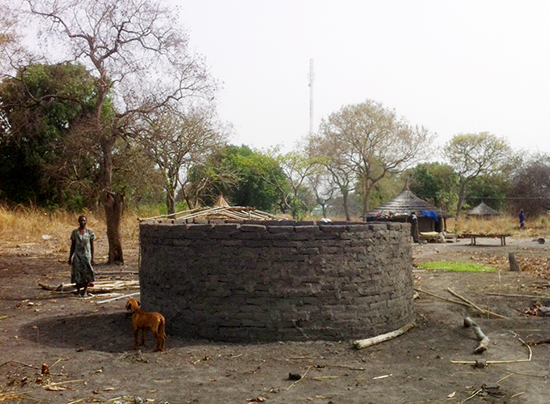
473	237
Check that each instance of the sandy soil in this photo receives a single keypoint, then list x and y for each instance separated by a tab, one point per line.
87	346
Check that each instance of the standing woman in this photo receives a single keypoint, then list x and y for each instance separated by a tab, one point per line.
81	256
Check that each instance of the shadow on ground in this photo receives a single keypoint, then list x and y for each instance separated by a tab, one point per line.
99	332
110	333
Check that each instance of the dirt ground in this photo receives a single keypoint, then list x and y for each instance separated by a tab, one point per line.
87	346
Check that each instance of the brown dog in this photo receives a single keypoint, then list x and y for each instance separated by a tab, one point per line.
146	321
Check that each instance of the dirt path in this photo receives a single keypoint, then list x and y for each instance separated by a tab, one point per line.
87	346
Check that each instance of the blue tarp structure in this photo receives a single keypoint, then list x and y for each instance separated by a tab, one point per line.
431	214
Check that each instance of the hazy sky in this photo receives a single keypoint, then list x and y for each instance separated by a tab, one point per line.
451	66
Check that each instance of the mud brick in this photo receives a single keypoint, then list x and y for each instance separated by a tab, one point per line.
276	236
307	229
333	228
357	227
226	227
232	243
257	228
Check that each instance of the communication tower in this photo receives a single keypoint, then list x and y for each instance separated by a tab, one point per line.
311	80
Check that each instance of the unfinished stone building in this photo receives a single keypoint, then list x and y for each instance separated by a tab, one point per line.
269	280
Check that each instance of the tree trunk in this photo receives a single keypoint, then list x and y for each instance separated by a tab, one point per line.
113	203
366	195
171	204
324	209
114	206
345	203
461	197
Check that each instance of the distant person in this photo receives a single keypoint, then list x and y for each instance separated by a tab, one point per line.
521	219
81	257
414	227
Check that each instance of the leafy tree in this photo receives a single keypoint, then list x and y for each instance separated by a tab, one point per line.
375	142
530	186
260	178
436	183
38	127
244	176
472	155
137	53
490	189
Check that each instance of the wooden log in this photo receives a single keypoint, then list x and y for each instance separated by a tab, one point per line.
518	295
99	287
118	298
364	343
442	298
514	266
483	339
475	306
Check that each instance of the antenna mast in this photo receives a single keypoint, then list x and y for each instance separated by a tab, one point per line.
311	80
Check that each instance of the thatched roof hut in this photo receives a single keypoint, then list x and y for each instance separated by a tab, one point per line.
482	211
400	208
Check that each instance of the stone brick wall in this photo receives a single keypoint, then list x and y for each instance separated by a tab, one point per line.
268	281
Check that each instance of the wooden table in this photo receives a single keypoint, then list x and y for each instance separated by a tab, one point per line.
473	237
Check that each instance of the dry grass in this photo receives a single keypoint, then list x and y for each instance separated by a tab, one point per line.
502	224
33	225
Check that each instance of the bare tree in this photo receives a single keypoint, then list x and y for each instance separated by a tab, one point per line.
323	188
530	186
12	52
141	62
177	140
329	150
472	155
297	168
374	142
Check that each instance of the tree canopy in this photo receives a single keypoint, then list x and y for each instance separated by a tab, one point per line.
40	106
373	141
475	154
434	182
138	55
245	177
176	140
119	106
530	186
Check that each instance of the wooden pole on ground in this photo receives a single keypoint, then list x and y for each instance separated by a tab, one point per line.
364	343
475	306
484	340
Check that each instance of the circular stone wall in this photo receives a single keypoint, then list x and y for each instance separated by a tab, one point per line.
268	281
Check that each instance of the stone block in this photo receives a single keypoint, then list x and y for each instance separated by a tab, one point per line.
227	227
257	228
333	228
307	229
